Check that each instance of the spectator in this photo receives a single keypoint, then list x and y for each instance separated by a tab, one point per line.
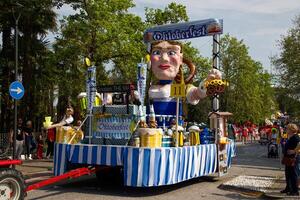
29	142
250	132
40	147
19	139
231	133
244	134
50	142
289	161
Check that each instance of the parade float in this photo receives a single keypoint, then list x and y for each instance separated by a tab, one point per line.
148	140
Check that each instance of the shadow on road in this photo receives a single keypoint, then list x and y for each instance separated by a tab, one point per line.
113	187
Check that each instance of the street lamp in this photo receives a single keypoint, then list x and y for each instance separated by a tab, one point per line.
18	5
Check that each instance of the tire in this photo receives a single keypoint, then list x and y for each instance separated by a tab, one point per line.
12	185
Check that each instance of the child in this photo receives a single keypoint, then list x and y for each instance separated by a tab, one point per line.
40	147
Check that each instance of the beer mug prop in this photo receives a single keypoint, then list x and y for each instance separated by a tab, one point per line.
194	135
150	137
47	122
83	100
75	136
215	86
167	141
68	135
178	138
223	140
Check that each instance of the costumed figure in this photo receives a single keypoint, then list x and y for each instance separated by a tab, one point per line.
67	119
65	133
167	66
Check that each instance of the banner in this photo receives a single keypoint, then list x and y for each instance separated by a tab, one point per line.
181	31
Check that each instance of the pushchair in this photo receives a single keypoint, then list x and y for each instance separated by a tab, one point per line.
263	139
273	150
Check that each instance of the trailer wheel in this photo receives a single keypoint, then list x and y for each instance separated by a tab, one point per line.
12	184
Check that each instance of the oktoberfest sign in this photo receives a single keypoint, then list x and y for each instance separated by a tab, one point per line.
91	86
180	31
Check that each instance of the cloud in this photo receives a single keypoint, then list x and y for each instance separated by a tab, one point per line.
247	6
269	31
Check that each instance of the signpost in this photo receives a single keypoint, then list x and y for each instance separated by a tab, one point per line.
178	91
16	91
91	94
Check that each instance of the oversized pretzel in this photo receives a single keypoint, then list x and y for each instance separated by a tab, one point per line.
192	68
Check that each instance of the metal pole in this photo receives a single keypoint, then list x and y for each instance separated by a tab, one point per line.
16	77
216	65
215	100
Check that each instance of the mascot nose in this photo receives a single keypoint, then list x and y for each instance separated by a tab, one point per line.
164	56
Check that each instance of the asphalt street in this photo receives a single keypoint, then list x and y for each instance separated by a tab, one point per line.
251	160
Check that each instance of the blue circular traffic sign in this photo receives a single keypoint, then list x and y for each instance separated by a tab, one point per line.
16	90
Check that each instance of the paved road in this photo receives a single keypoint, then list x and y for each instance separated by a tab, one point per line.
251	160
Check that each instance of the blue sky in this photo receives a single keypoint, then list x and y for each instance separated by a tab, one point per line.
259	23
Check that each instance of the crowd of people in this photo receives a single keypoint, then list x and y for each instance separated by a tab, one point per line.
39	145
249	132
30	145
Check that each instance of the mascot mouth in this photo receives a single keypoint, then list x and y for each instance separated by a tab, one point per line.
164	67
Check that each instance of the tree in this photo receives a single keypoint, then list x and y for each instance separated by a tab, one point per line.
249	95
173	13
288	67
107	33
36	18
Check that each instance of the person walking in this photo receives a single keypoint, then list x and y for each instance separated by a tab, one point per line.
19	139
29	142
289	160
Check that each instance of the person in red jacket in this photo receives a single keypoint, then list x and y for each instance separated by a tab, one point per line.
50	142
244	134
40	147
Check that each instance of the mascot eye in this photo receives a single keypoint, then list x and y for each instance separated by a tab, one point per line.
172	53
156	53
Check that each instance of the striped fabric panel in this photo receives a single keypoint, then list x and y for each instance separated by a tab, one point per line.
231	152
96	155
146	167
86	154
60	158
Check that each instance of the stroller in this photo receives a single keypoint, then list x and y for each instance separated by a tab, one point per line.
273	149
263	139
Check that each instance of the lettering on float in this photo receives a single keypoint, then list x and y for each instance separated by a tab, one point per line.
177	34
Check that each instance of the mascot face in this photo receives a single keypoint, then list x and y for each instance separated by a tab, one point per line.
166	59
